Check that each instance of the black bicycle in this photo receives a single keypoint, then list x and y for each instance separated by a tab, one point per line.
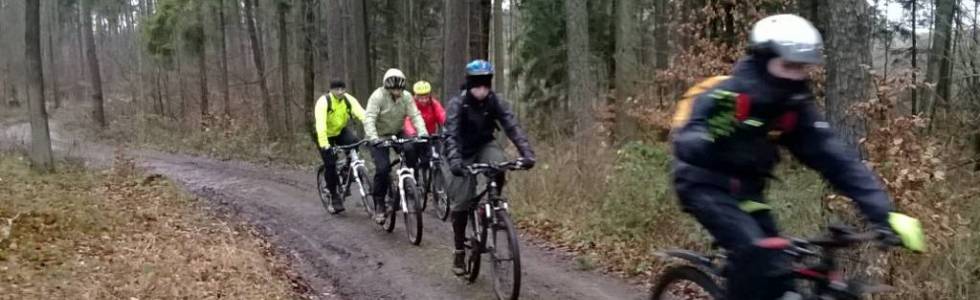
403	195
491	218
352	171
433	179
815	264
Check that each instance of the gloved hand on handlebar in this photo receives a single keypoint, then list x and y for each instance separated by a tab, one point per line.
903	230
456	167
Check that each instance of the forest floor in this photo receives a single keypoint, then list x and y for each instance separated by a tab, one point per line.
344	256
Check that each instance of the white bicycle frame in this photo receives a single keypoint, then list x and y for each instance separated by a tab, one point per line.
403	173
356	161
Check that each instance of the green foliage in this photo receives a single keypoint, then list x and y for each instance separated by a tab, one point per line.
173	22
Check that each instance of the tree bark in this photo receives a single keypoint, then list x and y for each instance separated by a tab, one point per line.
454	47
95	75
662	55
202	65
41	158
309	74
336	46
223	44
939	56
581	84
499	50
273	129
360	57
54	44
626	63
479	29
848	52
282	10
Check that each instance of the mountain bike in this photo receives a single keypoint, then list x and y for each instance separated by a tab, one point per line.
815	268
351	171
433	180
403	195
491	219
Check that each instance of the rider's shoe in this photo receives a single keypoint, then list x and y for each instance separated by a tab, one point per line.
337	203
379	210
459	262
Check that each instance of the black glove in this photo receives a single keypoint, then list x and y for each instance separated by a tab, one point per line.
457	169
527	162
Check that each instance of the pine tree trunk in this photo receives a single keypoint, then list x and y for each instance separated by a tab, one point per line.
54	44
95	75
848	50
479	29
337	48
626	63
939	56
581	84
273	129
661	39
360	57
41	158
202	65
282	10
454	47
309	74
499	50
223	44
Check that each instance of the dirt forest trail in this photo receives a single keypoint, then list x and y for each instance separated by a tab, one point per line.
344	256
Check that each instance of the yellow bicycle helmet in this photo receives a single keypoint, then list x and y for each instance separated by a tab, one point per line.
422	88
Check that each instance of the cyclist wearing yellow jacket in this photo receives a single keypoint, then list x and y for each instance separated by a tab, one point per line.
332	113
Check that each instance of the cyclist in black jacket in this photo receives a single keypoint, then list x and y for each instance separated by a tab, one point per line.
472	118
725	147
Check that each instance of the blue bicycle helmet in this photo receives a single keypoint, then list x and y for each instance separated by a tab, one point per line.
479	67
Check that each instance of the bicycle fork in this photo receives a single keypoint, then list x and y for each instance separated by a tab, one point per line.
403	174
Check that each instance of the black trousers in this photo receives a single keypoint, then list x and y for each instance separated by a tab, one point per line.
346	137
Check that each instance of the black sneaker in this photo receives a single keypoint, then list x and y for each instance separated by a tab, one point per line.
459	262
337	203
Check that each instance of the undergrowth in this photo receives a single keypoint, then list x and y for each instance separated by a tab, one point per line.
76	234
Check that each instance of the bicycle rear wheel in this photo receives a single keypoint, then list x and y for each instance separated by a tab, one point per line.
476	235
685	283
391	215
364	190
412	213
505	258
425	188
439	196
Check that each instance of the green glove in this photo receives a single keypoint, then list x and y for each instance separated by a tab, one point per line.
909	230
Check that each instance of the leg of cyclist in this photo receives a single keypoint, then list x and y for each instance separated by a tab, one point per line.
346	137
752	272
382	178
462	190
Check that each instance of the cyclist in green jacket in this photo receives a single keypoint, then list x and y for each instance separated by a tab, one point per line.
331	115
387	109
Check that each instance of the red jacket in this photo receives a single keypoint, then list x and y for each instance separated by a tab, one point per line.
432	113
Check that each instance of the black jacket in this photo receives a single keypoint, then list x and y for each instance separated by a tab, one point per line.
471	123
743	155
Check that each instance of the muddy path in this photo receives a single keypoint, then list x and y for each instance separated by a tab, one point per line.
344	256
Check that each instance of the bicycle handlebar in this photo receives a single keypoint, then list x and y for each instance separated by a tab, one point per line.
348	147
479	168
396	141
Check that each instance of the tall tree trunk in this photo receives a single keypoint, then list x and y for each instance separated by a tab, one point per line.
454	47
202	65
479	29
337	48
939	55
273	129
626	63
54	44
915	59
360	57
282	10
223	44
581	85
662	54
499	50
95	75
309	75
848	49
41	158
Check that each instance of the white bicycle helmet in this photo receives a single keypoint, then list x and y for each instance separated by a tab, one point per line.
789	37
394	79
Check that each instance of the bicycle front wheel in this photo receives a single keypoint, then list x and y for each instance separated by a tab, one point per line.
321	189
439	195
412	214
685	283
505	258
476	236
364	190
391	215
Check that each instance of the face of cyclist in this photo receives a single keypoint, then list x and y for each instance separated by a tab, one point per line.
424	98
480	92
396	93
781	68
337	92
